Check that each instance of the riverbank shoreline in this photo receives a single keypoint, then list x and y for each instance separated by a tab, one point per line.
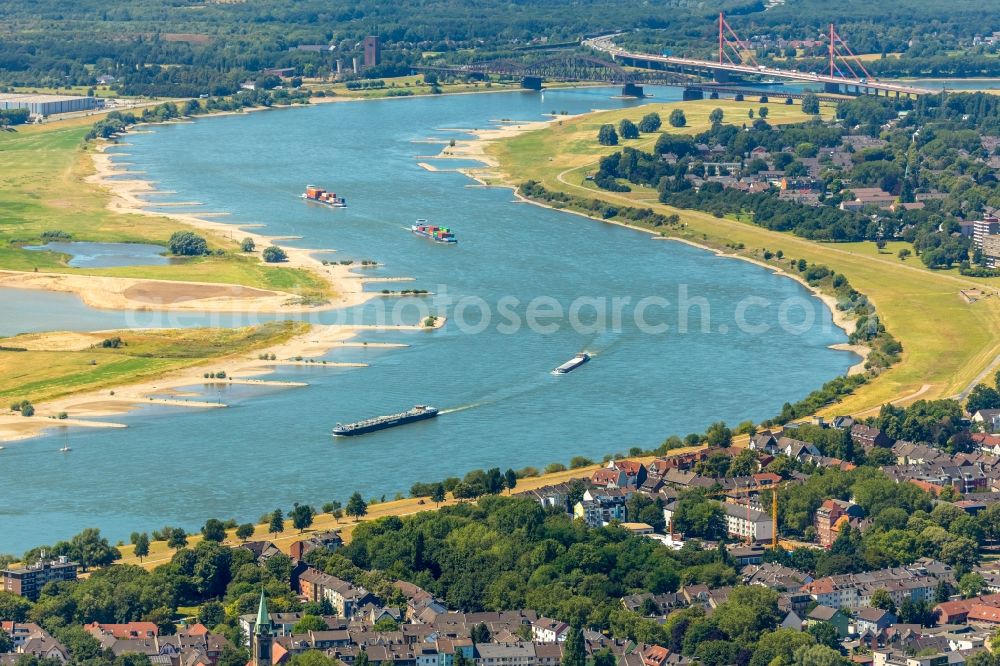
114	401
476	148
347	286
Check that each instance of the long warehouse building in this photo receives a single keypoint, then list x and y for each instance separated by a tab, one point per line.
47	105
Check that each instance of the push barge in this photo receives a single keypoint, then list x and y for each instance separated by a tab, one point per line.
437	234
418	413
572	364
319	195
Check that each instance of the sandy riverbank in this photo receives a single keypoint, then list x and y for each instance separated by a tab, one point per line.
244	369
346	286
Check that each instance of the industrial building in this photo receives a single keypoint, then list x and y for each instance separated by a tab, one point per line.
373	51
47	105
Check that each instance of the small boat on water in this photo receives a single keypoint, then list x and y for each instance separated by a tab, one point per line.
572	364
65	449
437	234
418	413
319	195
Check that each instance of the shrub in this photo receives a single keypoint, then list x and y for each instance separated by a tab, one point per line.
274	254
187	244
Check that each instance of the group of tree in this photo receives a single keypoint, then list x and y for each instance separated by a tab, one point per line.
475	483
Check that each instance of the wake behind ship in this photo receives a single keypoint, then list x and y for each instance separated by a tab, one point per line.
572	364
418	413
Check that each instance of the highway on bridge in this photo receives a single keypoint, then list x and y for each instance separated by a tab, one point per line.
605	44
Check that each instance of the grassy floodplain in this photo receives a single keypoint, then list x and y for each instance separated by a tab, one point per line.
947	340
42	188
59	364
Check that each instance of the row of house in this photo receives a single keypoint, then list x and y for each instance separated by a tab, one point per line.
194	645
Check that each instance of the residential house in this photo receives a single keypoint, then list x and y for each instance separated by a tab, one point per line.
916	582
899	658
547	630
957	612
655	655
20	632
493	654
830	517
600	506
872	621
744	522
776	576
635	472
609	477
555	496
988	418
868	196
797	449
764	441
832	616
128	630
44	647
868	436
262	550
329	540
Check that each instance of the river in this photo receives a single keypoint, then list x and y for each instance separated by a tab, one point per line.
502	406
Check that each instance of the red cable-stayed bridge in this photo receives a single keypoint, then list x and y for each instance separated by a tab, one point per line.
846	75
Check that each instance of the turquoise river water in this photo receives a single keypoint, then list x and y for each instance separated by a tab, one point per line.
753	340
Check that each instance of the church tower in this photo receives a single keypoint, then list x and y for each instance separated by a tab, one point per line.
263	635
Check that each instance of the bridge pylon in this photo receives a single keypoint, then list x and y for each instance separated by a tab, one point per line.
531	83
633	90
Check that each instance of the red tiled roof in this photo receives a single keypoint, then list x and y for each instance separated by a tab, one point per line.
630	467
124	631
605	476
985	439
984	613
929	487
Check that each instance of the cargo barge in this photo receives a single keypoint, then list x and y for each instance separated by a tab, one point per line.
418	413
319	195
572	364
437	234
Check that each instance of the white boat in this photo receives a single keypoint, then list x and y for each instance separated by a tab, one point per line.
65	449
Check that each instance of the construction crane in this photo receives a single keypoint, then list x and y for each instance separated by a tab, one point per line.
774	506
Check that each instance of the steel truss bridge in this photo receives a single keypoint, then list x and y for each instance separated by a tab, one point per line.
735	65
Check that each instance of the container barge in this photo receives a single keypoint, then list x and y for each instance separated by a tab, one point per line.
319	195
418	413
572	364
437	234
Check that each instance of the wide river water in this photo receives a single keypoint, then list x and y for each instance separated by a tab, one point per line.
753	340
